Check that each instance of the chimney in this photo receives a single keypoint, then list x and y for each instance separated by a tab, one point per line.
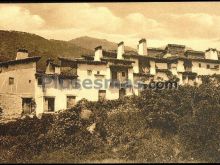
211	54
121	50
142	47
49	60
98	53
21	54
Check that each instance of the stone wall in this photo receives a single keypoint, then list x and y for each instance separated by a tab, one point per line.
11	105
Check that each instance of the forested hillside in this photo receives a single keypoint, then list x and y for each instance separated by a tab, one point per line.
91	43
10	41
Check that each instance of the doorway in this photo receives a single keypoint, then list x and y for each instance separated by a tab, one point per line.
122	92
26	105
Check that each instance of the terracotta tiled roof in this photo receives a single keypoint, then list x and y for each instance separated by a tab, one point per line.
120	66
20	61
213	49
22	50
55	75
67	75
82	61
175	49
156	52
176	45
117	60
189	73
88	57
195	54
205	60
163	70
110	53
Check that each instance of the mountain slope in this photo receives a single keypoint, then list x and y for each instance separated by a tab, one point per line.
91	43
10	41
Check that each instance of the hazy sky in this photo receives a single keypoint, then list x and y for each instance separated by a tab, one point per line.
196	25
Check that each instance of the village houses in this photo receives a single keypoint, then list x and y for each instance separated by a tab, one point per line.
25	90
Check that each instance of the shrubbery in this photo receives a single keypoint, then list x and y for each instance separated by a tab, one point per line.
164	125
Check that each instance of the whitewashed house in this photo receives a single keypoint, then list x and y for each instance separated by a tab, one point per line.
23	89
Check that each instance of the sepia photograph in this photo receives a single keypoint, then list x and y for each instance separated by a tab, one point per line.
110	82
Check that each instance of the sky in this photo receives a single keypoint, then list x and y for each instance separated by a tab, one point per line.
194	24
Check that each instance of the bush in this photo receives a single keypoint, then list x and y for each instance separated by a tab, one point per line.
160	125
27	126
202	133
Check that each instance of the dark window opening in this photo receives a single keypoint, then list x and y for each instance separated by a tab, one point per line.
98	72
208	66
191	77
184	77
11	80
39	81
216	66
169	66
123	74
71	101
102	95
200	65
89	72
49	104
114	75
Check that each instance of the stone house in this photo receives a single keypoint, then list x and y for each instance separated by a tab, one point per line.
17	84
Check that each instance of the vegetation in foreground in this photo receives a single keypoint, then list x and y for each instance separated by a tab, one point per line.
160	126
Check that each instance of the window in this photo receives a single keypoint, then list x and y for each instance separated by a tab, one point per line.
200	65
75	84
49	104
89	72
70	101
192	77
216	66
123	74
114	75
29	81
65	83
102	95
184	77
169	66
98	72
39	81
208	66
11	80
